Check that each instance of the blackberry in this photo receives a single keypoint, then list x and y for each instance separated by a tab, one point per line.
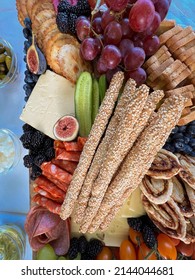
39	159
28	161
26	139
82	244
94	247
48	143
64	6
36	172
38	139
50	153
135	223
85	256
149	236
81	8
62	22
73	249
26	127
72	23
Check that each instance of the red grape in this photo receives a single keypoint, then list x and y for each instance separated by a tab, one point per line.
124	46
151	45
83	28
113	33
98	43
117	5
154	1
101	67
139	75
141	15
154	25
111	56
134	58
107	17
89	49
132	1
96	24
162	8
127	32
138	39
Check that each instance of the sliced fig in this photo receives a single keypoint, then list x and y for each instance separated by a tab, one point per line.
35	59
66	128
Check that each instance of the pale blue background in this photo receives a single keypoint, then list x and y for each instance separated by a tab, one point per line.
14	187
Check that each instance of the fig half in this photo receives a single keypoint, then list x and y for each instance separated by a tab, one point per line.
35	59
66	128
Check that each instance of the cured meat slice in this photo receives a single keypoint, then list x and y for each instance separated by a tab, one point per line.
58	144
82	140
73	147
52	206
48	186
71	156
59	184
66	165
56	172
44	227
58	151
45	193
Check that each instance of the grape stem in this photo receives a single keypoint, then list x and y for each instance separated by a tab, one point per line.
96	9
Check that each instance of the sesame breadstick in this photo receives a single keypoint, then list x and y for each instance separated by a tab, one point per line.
94	169
139	159
117	150
92	143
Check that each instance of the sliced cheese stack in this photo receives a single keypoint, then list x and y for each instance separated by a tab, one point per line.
51	99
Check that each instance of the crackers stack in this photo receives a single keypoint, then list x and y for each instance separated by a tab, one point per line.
62	51
172	67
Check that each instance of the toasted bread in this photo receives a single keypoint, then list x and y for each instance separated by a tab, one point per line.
165	25
163	49
182	42
159	70
154	66
169	34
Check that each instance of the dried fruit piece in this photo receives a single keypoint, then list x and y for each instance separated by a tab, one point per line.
66	128
35	59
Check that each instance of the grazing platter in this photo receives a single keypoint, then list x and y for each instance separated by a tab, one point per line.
109	129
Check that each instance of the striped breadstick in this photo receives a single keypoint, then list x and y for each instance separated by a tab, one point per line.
118	148
139	159
92	143
94	169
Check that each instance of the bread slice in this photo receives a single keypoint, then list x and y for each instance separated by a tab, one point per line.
159	70
163	49
165	25
178	36
169	34
182	42
154	66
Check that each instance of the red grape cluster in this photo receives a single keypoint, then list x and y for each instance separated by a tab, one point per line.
121	35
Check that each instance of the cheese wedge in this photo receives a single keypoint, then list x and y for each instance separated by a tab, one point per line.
51	99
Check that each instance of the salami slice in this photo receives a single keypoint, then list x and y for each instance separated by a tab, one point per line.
48	186
59	184
57	172
45	193
73	147
66	165
59	151
58	144
43	226
71	156
50	205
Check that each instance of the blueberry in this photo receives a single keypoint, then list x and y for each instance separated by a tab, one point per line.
27	33
186	139
26	98
179	146
182	128
191	129
174	130
24	58
177	136
29	80
35	77
188	150
28	23
28	89
192	154
26	46
192	142
169	147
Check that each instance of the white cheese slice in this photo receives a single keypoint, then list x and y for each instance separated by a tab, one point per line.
51	99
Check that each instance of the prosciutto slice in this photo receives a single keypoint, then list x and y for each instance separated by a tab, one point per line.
43	227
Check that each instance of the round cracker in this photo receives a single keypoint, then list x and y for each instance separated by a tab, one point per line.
41	17
20	14
42	29
29	5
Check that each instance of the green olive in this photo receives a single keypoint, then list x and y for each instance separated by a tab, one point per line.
8	61
8	51
2	67
2	57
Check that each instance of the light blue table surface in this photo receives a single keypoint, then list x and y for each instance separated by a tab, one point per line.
14	187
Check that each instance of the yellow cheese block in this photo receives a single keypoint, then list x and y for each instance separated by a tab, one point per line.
133	206
51	99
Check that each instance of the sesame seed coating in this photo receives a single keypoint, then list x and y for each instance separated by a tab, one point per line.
94	169
139	159
92	143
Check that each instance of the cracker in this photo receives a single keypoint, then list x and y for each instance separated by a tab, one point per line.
158	71
182	42
170	33
163	49
154	66
178	36
165	25
29	5
180	77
